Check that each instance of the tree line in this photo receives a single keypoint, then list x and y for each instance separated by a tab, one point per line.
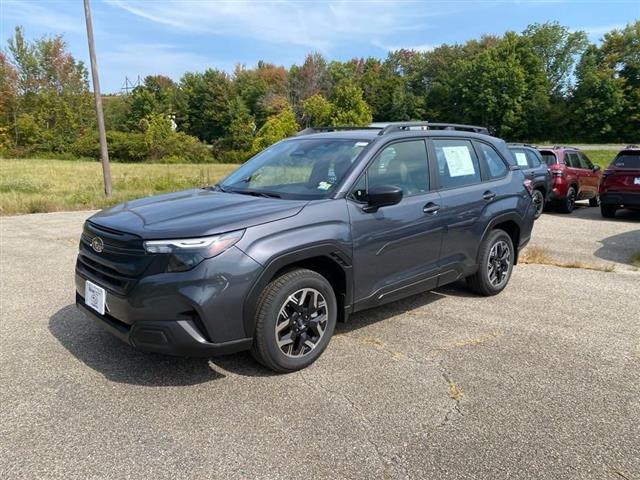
546	83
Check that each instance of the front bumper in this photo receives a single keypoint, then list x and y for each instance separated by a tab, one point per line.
628	199
180	337
192	313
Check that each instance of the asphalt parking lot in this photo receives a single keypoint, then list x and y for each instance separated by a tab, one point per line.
541	381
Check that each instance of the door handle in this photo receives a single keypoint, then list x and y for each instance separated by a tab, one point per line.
489	195
431	208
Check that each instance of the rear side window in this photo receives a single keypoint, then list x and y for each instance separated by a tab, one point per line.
549	158
494	163
521	158
534	159
627	160
457	163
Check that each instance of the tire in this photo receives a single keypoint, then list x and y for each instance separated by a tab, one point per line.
594	202
483	281
538	200
285	323
608	211
567	204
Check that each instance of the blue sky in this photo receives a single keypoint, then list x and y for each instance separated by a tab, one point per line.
140	37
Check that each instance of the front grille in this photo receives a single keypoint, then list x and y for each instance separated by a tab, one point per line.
120	264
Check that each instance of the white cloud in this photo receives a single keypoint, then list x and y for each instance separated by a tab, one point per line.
318	25
34	14
424	47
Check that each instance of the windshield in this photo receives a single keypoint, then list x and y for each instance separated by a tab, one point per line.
296	169
628	160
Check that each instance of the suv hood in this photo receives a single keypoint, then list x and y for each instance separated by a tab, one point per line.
194	213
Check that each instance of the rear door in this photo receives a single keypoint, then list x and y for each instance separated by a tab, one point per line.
396	249
468	185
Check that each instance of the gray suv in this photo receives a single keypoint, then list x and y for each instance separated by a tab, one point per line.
310	230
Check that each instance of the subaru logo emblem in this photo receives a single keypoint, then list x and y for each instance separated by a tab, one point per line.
97	244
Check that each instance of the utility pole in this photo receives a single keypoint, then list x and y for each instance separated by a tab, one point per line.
104	153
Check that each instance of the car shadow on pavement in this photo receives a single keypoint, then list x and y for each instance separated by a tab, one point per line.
620	248
121	363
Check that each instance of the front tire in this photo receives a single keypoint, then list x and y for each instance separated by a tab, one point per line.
495	264
608	211
295	319
569	202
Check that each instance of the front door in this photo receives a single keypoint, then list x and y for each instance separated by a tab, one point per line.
396	249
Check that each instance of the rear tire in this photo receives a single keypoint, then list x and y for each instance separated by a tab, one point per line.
568	203
608	211
538	201
295	318
495	264
594	202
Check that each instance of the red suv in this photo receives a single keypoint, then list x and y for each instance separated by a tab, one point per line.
573	177
620	185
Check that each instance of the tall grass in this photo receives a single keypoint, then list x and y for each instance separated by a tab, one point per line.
37	185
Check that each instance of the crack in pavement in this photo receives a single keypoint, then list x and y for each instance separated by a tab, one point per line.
384	461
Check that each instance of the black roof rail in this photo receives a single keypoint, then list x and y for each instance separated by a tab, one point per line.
556	147
399	126
632	147
310	130
518	144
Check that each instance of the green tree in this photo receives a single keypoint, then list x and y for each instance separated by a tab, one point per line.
558	48
317	111
51	88
275	129
349	108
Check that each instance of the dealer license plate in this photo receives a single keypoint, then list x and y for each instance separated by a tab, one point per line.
94	296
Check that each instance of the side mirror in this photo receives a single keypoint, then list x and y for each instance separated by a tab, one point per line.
382	196
596	168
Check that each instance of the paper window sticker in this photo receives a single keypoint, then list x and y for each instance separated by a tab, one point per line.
324	186
521	159
459	161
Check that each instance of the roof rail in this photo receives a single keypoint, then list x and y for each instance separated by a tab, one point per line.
557	147
631	147
399	126
310	130
519	144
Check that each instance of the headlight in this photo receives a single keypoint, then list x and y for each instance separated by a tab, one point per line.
187	253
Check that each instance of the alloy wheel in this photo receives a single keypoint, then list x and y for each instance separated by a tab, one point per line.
538	200
301	323
499	263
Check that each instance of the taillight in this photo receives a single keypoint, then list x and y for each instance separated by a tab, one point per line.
557	173
528	184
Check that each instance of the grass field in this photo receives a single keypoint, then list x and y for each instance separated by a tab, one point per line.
35	185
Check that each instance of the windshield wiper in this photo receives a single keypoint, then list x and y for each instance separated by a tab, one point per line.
255	193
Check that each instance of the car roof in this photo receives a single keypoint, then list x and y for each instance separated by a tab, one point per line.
374	134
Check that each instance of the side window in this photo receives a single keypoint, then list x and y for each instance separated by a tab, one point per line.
584	161
534	160
521	158
494	163
571	160
457	163
403	164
